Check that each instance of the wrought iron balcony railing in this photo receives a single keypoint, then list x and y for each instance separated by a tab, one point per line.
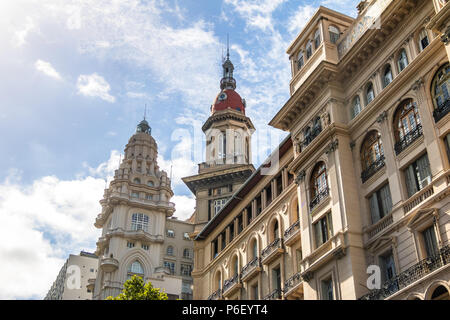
441	110
254	263
292	282
291	230
216	295
372	169
275	294
318	198
409	138
410	275
277	243
230	282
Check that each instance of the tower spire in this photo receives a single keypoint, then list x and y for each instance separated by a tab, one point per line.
228	81
228	47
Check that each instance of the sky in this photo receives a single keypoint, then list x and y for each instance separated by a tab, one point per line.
76	77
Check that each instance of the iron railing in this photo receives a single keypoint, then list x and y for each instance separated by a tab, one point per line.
277	243
410	275
291	230
318	198
275	294
441	110
254	263
216	295
372	169
292	282
409	138
230	282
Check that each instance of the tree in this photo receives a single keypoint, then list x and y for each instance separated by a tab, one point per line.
136	289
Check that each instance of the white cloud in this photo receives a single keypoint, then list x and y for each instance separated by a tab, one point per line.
184	206
299	19
47	69
21	35
94	86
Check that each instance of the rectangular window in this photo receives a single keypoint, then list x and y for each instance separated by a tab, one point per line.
240	223
279	184
170	265
186	236
387	266
224	241
327	289
215	247
258	205
130	244
170	233
186	270
380	203
447	145
323	230
231	226
249	214
276	278
268	194
218	205
139	221
417	175
255	293
144	246
430	242
135	195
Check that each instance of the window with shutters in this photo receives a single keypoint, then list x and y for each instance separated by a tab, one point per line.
323	230
380	203
430	242
417	175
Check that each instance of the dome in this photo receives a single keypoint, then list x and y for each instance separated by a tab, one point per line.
228	98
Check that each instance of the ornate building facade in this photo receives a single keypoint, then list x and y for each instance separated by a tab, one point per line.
369	152
139	235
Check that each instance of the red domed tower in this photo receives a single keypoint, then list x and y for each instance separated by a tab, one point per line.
228	151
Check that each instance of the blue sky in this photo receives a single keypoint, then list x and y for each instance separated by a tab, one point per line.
75	77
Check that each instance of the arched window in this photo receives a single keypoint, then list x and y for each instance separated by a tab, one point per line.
440	293
237	144
276	230
423	39
402	60
235	266
308	50
139	221
370	94
387	76
372	155
440	88
218	281
356	107
318	184
137	180
334	34
150	183
407	125
169	251
254	247
317	39
222	145
300	60
135	269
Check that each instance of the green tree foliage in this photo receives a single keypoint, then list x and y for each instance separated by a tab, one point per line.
136	289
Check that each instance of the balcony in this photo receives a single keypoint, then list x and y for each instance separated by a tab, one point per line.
318	198
408	139
410	275
216	295
380	225
91	285
293	287
109	264
441	111
231	285
272	251
274	295
251	269
372	169
292	234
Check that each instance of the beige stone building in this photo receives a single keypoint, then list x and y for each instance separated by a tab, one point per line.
73	278
369	151
139	235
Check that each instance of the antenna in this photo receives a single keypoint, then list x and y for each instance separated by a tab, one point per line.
228	47
145	111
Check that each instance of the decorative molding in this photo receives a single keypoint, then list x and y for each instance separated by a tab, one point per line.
332	146
382	117
445	38
300	177
417	84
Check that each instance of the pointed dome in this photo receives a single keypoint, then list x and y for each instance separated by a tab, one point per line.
143	126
